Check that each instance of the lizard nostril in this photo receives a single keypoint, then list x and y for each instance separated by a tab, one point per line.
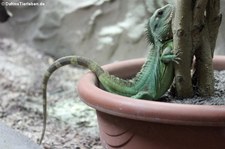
155	27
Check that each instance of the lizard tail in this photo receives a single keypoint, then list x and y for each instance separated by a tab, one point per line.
68	60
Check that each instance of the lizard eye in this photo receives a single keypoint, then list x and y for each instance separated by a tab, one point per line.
160	13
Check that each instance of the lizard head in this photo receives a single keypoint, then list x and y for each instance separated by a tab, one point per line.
159	25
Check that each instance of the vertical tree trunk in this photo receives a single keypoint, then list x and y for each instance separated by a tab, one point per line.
195	29
183	45
213	18
204	67
210	19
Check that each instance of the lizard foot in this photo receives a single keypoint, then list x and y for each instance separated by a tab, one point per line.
177	56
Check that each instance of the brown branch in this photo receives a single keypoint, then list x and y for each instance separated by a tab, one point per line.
198	22
204	40
204	67
182	25
214	18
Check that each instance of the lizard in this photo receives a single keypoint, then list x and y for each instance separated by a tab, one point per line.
155	76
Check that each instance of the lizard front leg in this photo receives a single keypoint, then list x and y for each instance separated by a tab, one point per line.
168	56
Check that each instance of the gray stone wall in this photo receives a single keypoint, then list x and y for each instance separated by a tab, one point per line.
220	48
103	30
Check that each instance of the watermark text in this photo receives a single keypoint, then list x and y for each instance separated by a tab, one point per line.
22	3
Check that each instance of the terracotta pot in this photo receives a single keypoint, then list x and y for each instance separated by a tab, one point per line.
140	124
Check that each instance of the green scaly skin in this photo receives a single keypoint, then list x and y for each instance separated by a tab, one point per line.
156	74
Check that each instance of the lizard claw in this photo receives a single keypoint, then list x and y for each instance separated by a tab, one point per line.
177	58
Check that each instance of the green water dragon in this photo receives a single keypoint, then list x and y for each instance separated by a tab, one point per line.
156	74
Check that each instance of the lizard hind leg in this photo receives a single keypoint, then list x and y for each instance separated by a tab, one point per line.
144	95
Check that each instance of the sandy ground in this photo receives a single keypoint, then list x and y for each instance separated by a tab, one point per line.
71	124
21	71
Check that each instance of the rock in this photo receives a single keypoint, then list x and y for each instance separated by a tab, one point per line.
103	30
10	139
220	45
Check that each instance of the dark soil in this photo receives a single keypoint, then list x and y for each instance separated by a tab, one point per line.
217	99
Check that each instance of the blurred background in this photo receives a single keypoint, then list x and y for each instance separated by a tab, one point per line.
31	37
103	30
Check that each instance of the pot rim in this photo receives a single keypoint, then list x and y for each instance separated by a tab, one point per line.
145	110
